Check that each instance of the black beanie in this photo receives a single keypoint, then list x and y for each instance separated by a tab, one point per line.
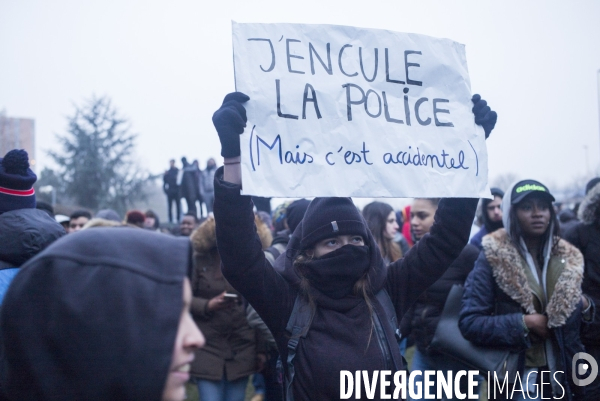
295	213
326	217
16	182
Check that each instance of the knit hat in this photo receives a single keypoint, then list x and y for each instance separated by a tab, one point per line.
135	217
16	182
108	214
279	215
326	217
295	213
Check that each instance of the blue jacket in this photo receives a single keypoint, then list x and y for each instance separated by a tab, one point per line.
476	239
497	295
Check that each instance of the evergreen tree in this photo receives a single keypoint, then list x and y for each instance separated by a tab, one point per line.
96	161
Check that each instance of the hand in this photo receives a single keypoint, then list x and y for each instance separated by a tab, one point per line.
230	121
538	324
219	302
585	302
484	116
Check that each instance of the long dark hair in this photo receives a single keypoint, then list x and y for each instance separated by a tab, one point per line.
376	215
550	235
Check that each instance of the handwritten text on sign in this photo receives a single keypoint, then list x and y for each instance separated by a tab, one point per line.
344	111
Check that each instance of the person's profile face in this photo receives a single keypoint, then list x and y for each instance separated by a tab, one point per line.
422	213
188	339
391	226
77	224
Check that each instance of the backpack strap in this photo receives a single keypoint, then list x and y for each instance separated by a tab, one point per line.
273	252
269	256
297	328
301	319
388	307
281	248
390	315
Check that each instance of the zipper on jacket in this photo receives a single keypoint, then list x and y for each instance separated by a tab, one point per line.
383	344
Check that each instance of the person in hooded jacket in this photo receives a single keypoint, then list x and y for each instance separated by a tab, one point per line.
24	230
524	294
222	367
422	319
333	263
586	237
491	214
101	315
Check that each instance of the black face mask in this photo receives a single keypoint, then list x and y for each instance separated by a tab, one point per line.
334	274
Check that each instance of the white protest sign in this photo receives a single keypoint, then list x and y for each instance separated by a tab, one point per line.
345	111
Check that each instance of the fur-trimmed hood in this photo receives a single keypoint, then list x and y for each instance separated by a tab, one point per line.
204	238
588	210
506	265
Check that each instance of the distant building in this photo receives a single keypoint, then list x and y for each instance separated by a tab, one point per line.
17	133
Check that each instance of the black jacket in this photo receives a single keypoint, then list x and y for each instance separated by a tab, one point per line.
586	237
24	233
567	220
425	314
340	335
94	317
170	181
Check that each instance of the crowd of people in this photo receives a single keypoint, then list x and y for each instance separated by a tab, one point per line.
102	306
190	184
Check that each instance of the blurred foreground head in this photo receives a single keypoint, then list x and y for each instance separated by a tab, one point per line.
100	315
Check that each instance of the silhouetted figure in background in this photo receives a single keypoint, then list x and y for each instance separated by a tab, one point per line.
171	189
207	189
188	186
198	186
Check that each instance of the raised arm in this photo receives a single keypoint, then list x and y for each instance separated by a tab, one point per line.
243	262
427	261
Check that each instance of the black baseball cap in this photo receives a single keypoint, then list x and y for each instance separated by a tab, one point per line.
528	187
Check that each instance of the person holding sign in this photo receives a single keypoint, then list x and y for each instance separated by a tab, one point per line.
333	307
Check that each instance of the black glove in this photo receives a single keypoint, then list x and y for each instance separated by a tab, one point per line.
230	121
484	116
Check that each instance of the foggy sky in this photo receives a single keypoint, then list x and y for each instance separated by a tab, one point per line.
167	65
